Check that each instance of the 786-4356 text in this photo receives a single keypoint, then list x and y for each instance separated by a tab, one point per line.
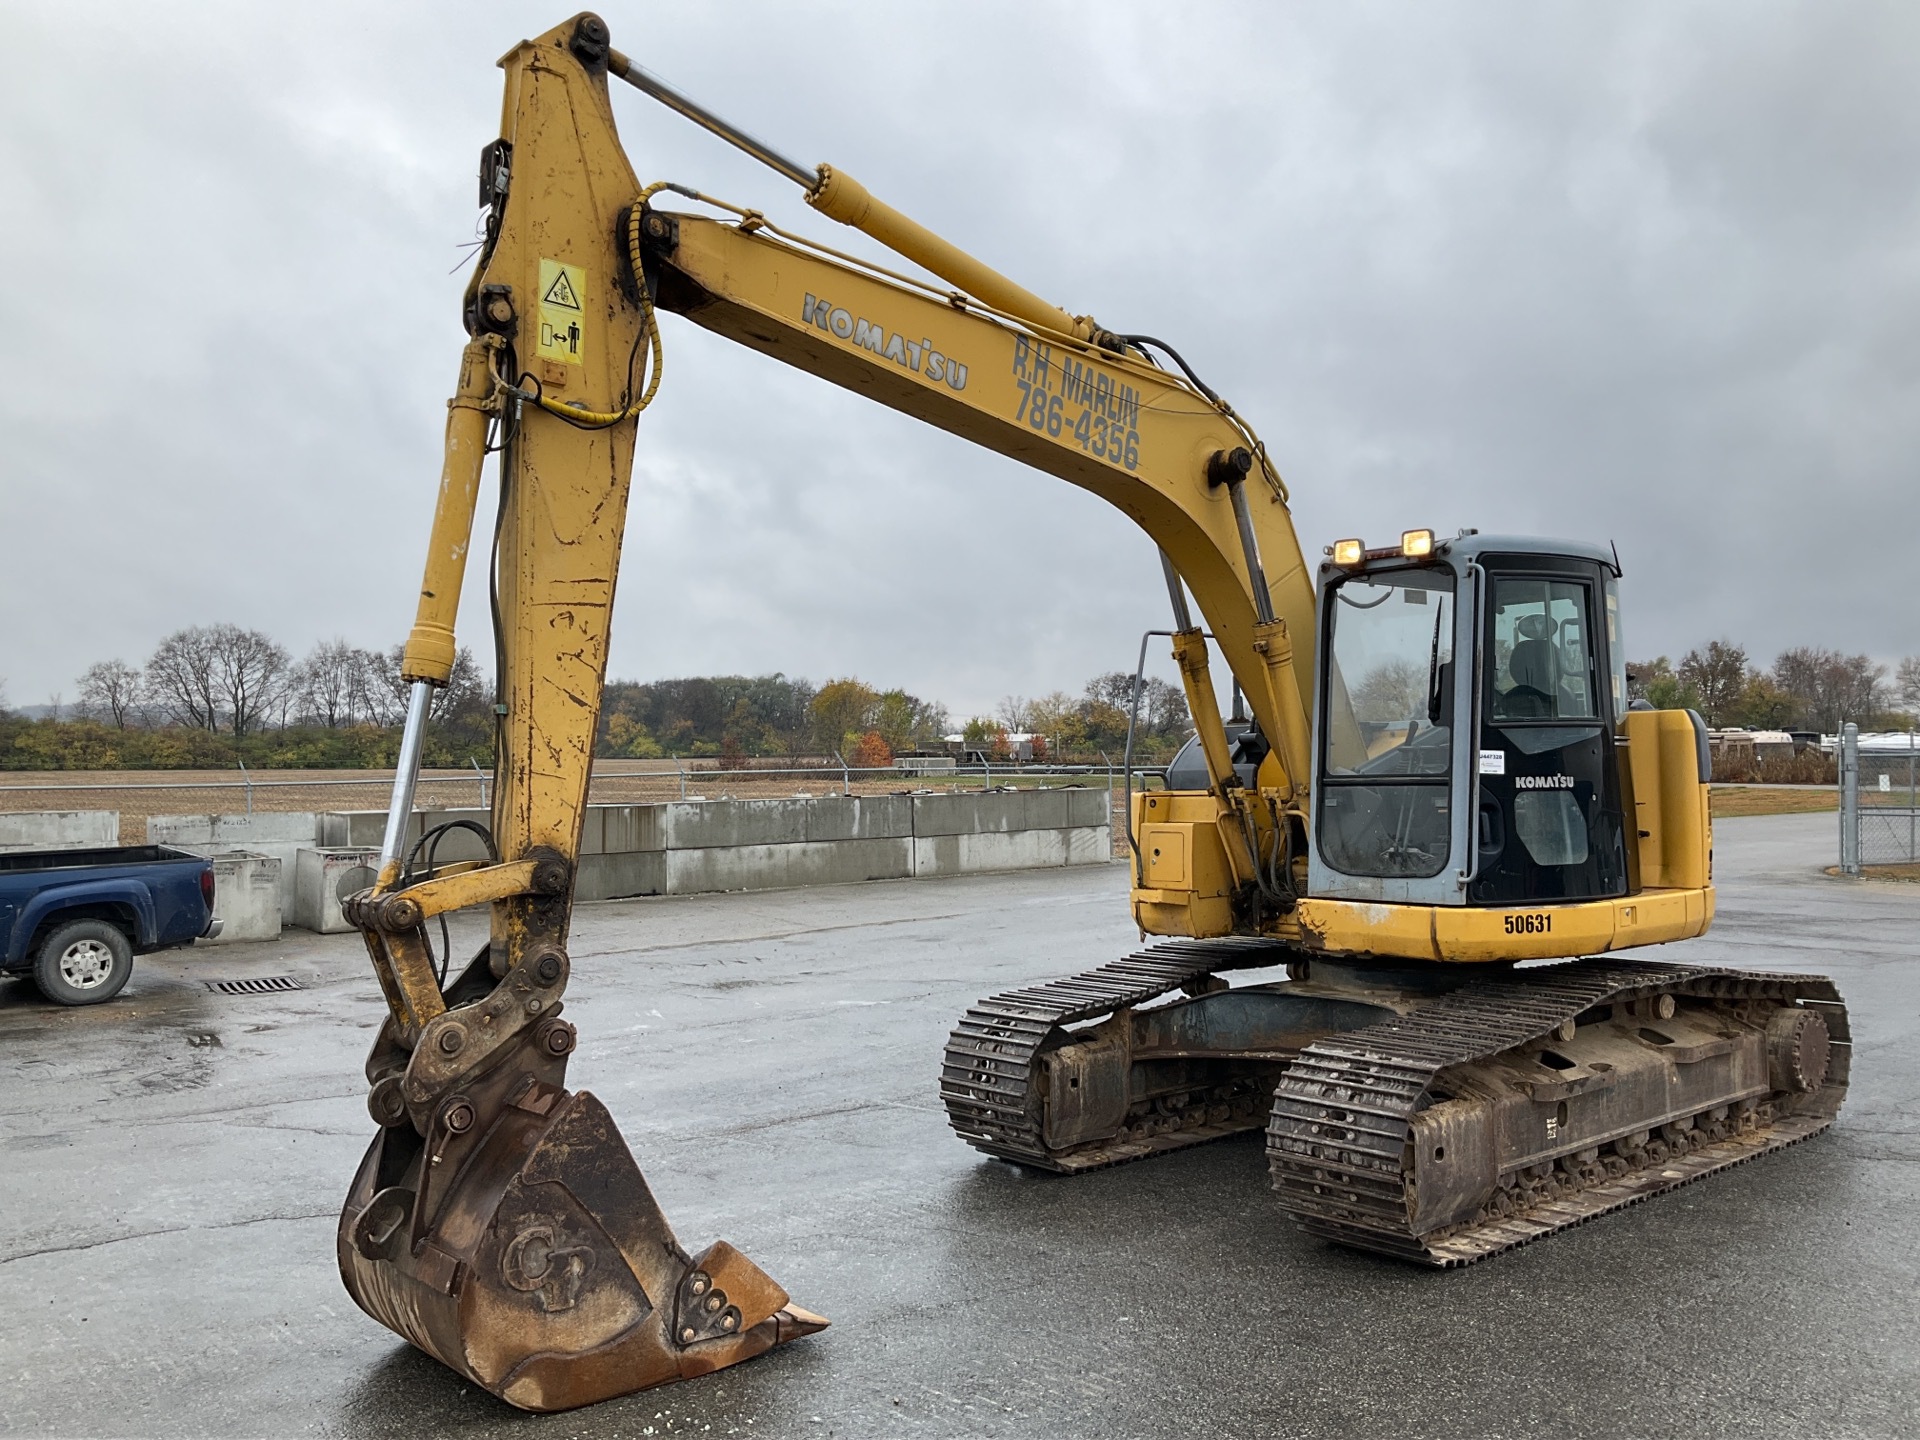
1066	397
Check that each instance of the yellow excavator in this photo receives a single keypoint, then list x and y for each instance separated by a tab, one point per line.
1439	786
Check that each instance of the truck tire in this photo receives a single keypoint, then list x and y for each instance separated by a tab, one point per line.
83	963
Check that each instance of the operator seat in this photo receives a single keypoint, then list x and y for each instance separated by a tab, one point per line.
1530	669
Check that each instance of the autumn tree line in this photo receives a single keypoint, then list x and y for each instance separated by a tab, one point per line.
738	719
1804	689
211	696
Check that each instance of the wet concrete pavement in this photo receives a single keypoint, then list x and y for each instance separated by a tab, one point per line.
171	1167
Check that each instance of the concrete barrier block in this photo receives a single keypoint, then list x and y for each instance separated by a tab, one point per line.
780	867
346	829
704	846
357	829
710	824
454	844
633	827
617	876
59	830
860	817
1089	807
1090	845
936	855
323	878
1048	809
969	814
236	832
246	896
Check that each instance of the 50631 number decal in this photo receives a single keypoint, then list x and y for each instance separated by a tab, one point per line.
1529	924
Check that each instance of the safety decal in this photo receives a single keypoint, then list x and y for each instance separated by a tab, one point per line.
563	319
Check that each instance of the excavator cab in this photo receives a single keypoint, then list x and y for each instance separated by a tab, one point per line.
1469	699
1480	791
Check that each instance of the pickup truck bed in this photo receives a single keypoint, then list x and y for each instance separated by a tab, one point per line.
74	919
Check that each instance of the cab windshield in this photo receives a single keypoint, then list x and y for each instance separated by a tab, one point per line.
1384	800
1392	674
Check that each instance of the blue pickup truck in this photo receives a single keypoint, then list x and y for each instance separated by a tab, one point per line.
74	919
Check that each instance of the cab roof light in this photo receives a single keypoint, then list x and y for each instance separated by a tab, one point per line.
1348	552
1416	544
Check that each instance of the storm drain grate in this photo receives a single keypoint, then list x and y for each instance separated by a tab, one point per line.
265	986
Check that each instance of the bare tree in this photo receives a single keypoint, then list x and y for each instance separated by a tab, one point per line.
1718	675
111	690
1163	707
1831	688
466	689
1114	688
1015	713
180	679
465	686
1395	689
249	674
1906	684
379	698
329	687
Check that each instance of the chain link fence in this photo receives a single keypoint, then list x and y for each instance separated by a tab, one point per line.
1879	803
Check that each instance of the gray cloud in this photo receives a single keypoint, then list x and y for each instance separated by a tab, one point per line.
1634	272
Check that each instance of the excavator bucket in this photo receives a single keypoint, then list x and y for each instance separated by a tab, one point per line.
516	1241
499	1221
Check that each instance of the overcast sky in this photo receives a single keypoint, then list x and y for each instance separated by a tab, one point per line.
1641	273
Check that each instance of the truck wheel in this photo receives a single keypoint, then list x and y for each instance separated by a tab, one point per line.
83	963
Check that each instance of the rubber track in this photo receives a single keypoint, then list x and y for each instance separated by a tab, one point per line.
989	1079
1367	1084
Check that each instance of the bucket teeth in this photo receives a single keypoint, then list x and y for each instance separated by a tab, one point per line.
546	1272
795	1322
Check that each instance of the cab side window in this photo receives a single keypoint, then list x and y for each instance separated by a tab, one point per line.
1542	654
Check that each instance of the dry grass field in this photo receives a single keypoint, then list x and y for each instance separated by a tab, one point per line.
1730	800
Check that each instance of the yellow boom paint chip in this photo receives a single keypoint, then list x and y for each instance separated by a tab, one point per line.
563	312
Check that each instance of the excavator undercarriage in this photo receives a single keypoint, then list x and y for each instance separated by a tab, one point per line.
1428	1114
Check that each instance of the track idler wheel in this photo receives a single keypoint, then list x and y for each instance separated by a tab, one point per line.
544	1271
1798	1050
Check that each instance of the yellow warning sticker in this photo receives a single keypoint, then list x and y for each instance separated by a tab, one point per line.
563	312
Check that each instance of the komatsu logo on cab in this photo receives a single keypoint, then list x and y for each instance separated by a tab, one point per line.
919	357
1543	782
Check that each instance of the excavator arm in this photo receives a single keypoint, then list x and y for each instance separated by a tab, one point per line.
498	1221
